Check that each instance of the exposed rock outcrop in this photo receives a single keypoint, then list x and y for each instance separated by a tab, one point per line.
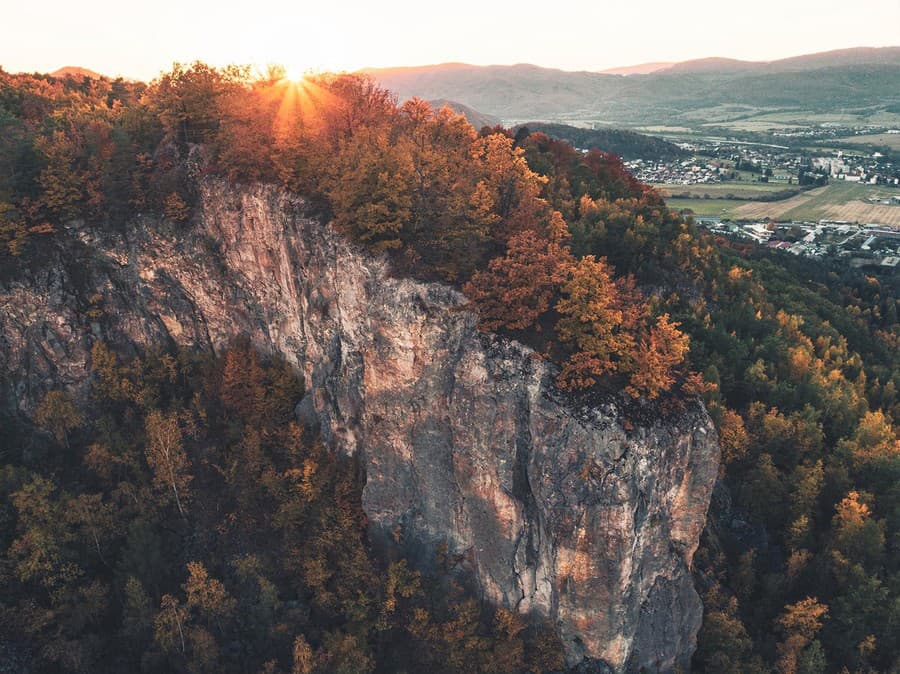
557	509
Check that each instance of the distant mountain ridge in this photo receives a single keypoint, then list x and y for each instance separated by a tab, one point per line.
522	92
828	59
639	69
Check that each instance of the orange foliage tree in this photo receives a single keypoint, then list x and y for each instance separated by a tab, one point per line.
368	187
452	209
656	359
597	321
799	623
517	289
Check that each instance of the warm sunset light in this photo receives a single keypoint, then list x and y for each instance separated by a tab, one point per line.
296	73
366	336
297	100
139	40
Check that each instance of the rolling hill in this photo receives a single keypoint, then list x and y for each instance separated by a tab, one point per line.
639	69
844	79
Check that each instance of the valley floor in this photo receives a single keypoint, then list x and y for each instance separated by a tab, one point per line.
837	201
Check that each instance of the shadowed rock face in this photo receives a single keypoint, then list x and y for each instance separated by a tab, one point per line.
557	510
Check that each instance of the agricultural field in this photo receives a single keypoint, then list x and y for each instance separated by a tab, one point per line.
788	118
752	125
664	129
719	208
716	114
739	189
891	140
837	201
842	201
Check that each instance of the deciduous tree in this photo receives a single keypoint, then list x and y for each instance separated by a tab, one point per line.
799	625
207	595
656	359
166	457
520	287
58	414
597	322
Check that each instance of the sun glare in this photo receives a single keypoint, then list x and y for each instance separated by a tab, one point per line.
299	97
296	73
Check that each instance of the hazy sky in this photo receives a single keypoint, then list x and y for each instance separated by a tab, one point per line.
138	39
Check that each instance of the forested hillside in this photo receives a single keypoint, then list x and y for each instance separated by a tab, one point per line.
626	144
797	362
183	521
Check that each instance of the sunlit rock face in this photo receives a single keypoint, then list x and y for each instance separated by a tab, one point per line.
553	507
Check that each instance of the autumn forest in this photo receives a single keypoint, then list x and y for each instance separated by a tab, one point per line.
179	518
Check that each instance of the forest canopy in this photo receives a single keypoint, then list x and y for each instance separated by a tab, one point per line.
798	362
194	526
446	201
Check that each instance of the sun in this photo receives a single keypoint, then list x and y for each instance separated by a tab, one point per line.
296	73
299	96
275	71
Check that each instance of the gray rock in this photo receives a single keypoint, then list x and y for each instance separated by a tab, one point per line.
557	509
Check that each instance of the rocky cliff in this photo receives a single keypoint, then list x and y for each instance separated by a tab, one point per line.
559	509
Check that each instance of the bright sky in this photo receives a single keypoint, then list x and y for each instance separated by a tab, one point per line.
140	38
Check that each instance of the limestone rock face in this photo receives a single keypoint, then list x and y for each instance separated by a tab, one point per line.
556	509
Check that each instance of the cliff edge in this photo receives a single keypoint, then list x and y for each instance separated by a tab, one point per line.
561	510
